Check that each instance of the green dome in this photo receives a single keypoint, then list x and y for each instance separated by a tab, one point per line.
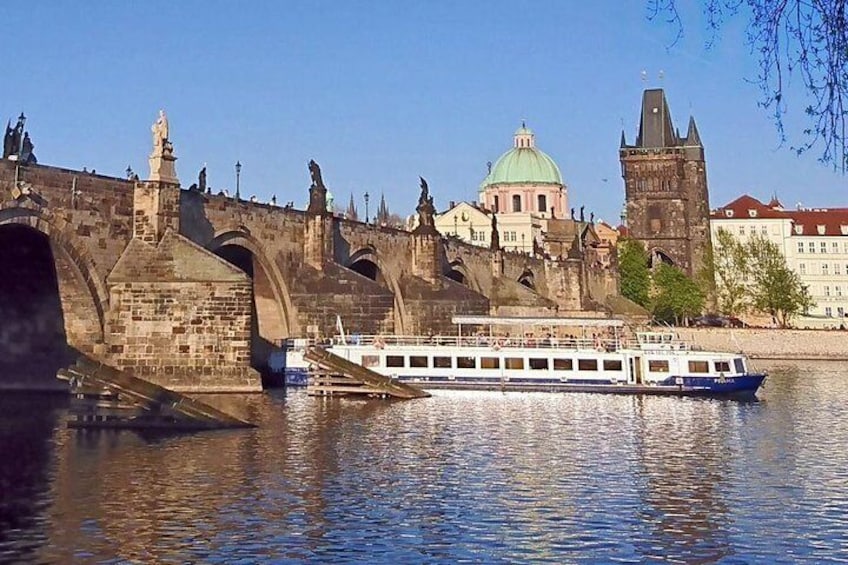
523	164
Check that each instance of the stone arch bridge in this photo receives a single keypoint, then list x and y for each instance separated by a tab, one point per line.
193	290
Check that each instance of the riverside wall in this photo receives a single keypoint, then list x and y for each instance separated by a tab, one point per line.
777	344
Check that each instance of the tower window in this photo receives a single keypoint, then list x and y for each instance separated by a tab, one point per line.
654	219
516	203
543	203
497	209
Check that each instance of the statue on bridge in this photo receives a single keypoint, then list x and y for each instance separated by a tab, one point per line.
162	158
17	144
426	210
495	244
317	192
160	133
315	173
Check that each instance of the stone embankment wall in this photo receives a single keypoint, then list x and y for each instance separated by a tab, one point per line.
761	343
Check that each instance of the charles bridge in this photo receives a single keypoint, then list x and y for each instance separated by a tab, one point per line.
193	290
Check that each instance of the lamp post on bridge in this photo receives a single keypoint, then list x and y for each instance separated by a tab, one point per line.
366	207
238	180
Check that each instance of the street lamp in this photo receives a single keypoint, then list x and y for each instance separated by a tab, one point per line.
238	180
366	207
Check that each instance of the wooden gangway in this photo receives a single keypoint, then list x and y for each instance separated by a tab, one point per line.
106	397
335	375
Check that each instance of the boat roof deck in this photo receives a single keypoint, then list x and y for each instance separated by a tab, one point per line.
531	321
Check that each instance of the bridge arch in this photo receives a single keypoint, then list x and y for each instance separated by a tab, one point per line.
284	310
77	256
458	271
367	259
52	299
527	278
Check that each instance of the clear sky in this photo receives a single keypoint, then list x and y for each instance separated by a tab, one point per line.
379	92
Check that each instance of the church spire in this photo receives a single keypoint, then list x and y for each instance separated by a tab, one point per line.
351	213
623	143
383	212
692	136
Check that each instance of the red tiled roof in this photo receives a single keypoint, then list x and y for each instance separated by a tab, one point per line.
808	218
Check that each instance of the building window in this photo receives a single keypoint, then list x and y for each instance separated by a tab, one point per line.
812	247
496	207
840	311
824	269
542	202
764	230
835	247
516	203
800	247
828	311
802	268
823	247
827	291
838	290
741	230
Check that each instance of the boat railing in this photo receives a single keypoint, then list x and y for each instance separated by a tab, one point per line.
595	343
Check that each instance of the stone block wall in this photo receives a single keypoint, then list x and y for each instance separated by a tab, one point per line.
180	317
186	336
767	343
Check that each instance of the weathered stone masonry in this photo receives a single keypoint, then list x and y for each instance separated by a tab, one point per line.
141	283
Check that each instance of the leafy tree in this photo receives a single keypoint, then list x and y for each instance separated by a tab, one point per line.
705	277
676	297
806	38
775	288
730	263
633	270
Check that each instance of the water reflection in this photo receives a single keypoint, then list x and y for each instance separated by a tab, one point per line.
477	477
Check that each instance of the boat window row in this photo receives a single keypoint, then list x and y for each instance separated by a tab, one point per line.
508	363
703	366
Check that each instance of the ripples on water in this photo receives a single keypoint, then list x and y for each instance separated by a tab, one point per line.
461	477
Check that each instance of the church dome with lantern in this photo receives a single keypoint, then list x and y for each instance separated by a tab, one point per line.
524	179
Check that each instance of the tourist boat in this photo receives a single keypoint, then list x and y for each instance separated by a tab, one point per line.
557	354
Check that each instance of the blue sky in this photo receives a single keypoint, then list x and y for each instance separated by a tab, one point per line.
380	92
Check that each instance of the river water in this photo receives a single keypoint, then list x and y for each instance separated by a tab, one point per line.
463	477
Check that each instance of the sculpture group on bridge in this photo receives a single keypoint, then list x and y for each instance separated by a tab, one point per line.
16	143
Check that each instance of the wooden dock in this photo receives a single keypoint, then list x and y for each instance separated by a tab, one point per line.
105	397
334	375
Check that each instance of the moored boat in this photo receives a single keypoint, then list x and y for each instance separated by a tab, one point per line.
559	355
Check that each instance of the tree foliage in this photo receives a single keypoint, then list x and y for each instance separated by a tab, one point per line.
731	262
775	288
754	275
807	38
676	297
633	270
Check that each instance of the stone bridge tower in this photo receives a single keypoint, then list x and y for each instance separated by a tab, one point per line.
665	183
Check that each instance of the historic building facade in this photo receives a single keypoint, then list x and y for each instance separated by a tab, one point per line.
813	240
665	183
